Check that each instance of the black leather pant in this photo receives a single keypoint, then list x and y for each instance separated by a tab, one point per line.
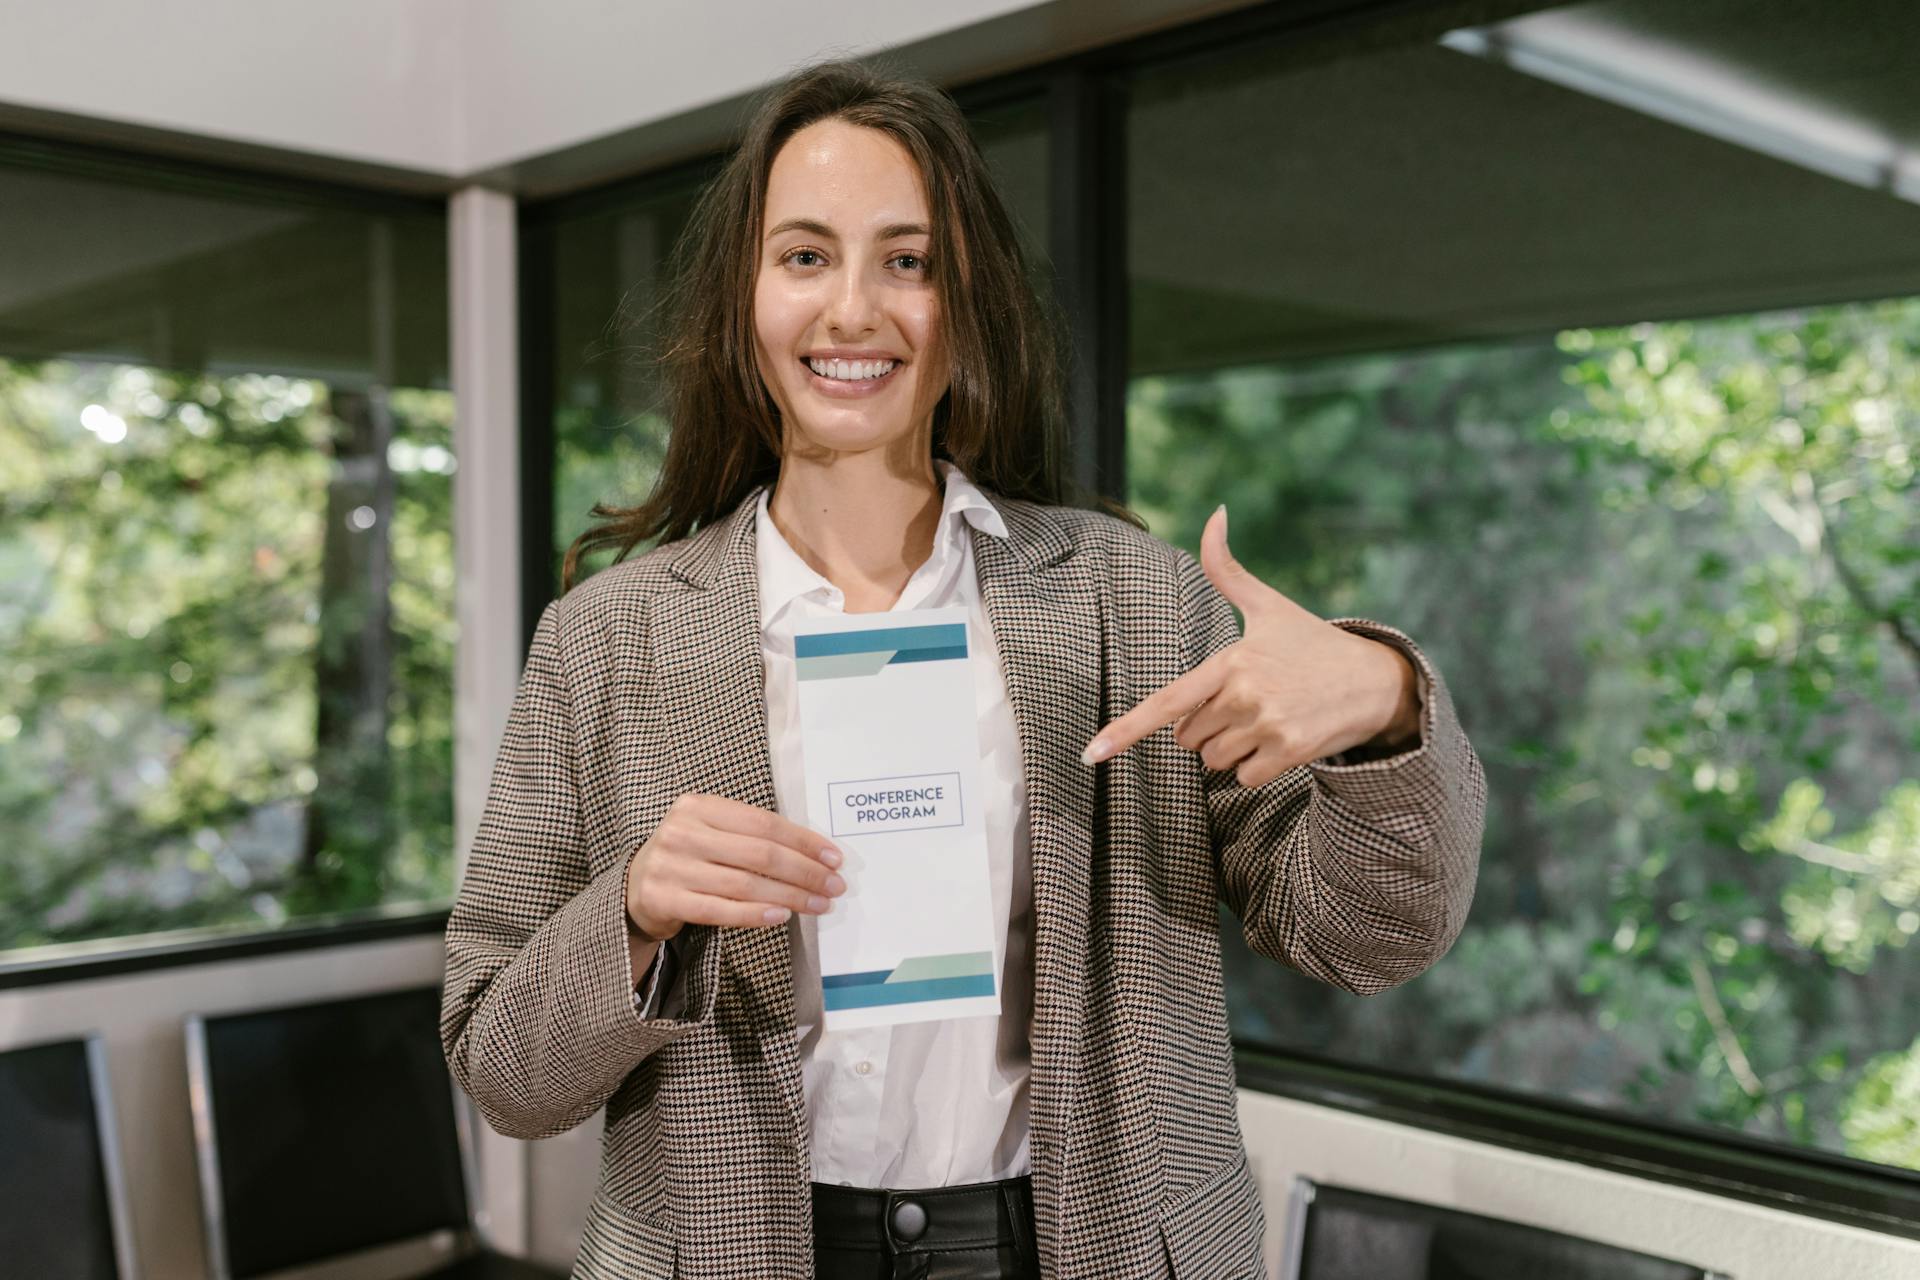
979	1231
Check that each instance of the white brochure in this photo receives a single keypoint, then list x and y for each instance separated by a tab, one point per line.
891	737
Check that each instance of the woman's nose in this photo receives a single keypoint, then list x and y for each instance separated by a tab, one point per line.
852	307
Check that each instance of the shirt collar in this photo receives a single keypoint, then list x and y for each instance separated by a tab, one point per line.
784	576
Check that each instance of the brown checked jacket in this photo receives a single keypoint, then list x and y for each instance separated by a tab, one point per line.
646	682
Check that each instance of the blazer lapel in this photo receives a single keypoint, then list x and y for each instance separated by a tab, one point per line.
1042	600
706	647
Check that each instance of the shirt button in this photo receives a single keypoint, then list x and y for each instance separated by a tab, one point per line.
863	1067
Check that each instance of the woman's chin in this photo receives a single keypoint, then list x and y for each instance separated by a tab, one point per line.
851	433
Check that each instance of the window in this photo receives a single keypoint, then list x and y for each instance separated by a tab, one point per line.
1013	136
1586	349
226	575
599	267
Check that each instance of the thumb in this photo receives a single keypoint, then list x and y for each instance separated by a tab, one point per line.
1235	581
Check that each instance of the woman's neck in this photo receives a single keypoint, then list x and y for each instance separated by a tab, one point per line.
860	522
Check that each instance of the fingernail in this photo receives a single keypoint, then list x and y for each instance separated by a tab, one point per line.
776	915
1096	751
836	885
817	904
1223	519
831	856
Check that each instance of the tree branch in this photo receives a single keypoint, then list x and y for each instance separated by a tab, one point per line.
1725	1036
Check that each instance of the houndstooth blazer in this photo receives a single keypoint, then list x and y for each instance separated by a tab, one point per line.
646	682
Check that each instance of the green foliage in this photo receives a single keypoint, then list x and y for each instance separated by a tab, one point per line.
1859	892
174	615
1672	575
1882	1118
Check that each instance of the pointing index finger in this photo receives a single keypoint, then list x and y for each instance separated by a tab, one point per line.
1157	709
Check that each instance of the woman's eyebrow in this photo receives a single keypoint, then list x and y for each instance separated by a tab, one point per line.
811	226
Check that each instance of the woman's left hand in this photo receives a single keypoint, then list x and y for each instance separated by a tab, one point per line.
1292	689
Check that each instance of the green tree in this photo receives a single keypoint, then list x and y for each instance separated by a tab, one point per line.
1672	574
226	642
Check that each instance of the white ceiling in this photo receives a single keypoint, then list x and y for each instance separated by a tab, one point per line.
435	92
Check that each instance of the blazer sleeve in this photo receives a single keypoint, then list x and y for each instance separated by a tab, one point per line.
537	1013
1355	869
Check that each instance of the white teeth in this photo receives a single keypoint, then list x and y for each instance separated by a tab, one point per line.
851	370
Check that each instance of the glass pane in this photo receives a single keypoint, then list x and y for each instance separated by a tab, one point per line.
1586	351
1013	137
226	571
610	269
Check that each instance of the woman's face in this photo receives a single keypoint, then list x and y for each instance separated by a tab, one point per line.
843	271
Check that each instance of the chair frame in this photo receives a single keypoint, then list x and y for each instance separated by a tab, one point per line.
1300	1200
112	1169
212	1202
119	1209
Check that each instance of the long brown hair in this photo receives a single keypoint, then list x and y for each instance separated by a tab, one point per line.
1002	420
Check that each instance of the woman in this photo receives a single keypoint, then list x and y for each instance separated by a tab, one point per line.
865	415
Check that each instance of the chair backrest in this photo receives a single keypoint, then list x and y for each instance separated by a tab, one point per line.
63	1202
325	1129
1338	1233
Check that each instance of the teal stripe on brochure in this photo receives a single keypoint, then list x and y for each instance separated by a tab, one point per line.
870	994
855	979
937	635
941	654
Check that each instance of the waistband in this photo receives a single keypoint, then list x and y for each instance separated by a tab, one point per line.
972	1215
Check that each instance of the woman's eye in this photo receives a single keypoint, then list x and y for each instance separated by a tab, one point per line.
797	254
919	263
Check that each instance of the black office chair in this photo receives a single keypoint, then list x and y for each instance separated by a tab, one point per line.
63	1199
325	1130
1337	1233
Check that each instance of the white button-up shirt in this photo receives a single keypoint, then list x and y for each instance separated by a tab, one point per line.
925	1104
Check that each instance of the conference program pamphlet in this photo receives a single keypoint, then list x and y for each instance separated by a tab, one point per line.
890	734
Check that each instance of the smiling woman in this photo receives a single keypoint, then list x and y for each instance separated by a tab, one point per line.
865	418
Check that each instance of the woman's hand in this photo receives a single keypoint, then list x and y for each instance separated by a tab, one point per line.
717	861
1293	688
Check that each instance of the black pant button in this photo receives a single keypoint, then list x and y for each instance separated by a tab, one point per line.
909	1219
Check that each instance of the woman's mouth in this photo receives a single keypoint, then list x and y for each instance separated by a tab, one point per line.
845	379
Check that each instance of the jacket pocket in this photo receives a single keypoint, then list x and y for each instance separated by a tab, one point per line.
620	1243
1214	1230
